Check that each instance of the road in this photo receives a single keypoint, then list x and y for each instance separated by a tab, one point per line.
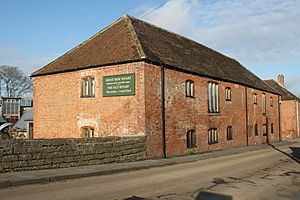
264	174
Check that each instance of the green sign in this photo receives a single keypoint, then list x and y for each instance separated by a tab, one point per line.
119	85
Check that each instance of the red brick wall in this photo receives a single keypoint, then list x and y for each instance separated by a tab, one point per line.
288	119
256	116
153	113
184	113
60	112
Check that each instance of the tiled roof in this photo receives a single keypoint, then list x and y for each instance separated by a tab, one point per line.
130	39
285	94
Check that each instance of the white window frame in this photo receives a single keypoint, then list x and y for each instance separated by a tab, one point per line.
191	139
189	88
213	97
213	137
228	94
255	98
88	87
264	106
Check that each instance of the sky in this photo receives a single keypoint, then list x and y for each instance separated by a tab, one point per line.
263	35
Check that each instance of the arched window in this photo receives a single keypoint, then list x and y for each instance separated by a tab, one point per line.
272	128
191	139
213	97
88	132
213	137
88	87
271	101
228	94
255	98
256	130
229	133
265	129
189	88
264	107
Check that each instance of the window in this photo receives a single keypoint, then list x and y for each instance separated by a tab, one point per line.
191	139
272	128
271	101
256	130
189	89
26	103
213	136
228	94
229	133
264	103
88	132
213	97
265	129
88	87
255	98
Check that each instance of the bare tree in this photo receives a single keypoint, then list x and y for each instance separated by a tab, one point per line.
14	82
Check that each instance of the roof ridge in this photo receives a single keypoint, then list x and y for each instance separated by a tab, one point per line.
283	88
82	43
177	34
134	34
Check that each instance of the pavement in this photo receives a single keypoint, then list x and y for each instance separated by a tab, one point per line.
10	179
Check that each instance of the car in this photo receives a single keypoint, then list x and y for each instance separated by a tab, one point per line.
5	130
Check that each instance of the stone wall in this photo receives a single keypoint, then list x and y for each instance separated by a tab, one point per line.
21	155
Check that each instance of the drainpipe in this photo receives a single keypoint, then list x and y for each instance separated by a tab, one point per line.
163	115
297	117
247	132
279	116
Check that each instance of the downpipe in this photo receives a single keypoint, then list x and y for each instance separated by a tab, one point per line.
163	114
297	117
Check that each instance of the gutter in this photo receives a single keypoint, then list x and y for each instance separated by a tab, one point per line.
247	132
279	118
163	114
297	118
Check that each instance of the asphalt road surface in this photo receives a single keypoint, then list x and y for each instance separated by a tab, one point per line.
264	174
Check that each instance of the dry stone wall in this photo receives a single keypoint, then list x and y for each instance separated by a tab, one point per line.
21	155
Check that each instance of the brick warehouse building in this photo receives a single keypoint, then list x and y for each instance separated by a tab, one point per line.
289	109
133	78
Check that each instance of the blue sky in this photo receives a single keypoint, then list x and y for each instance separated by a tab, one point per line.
263	35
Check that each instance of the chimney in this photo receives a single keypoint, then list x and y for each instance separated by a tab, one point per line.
280	80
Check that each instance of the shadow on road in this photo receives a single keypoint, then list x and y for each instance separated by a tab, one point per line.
212	196
134	198
295	155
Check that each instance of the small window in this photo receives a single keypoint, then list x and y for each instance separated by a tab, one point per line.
271	101
229	133
228	94
213	97
189	89
256	130
88	87
272	128
265	129
191	139
255	98
213	136
88	132
264	104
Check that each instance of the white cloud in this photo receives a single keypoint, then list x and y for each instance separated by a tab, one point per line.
261	33
250	31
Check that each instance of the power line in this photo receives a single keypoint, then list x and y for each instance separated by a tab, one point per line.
153	9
